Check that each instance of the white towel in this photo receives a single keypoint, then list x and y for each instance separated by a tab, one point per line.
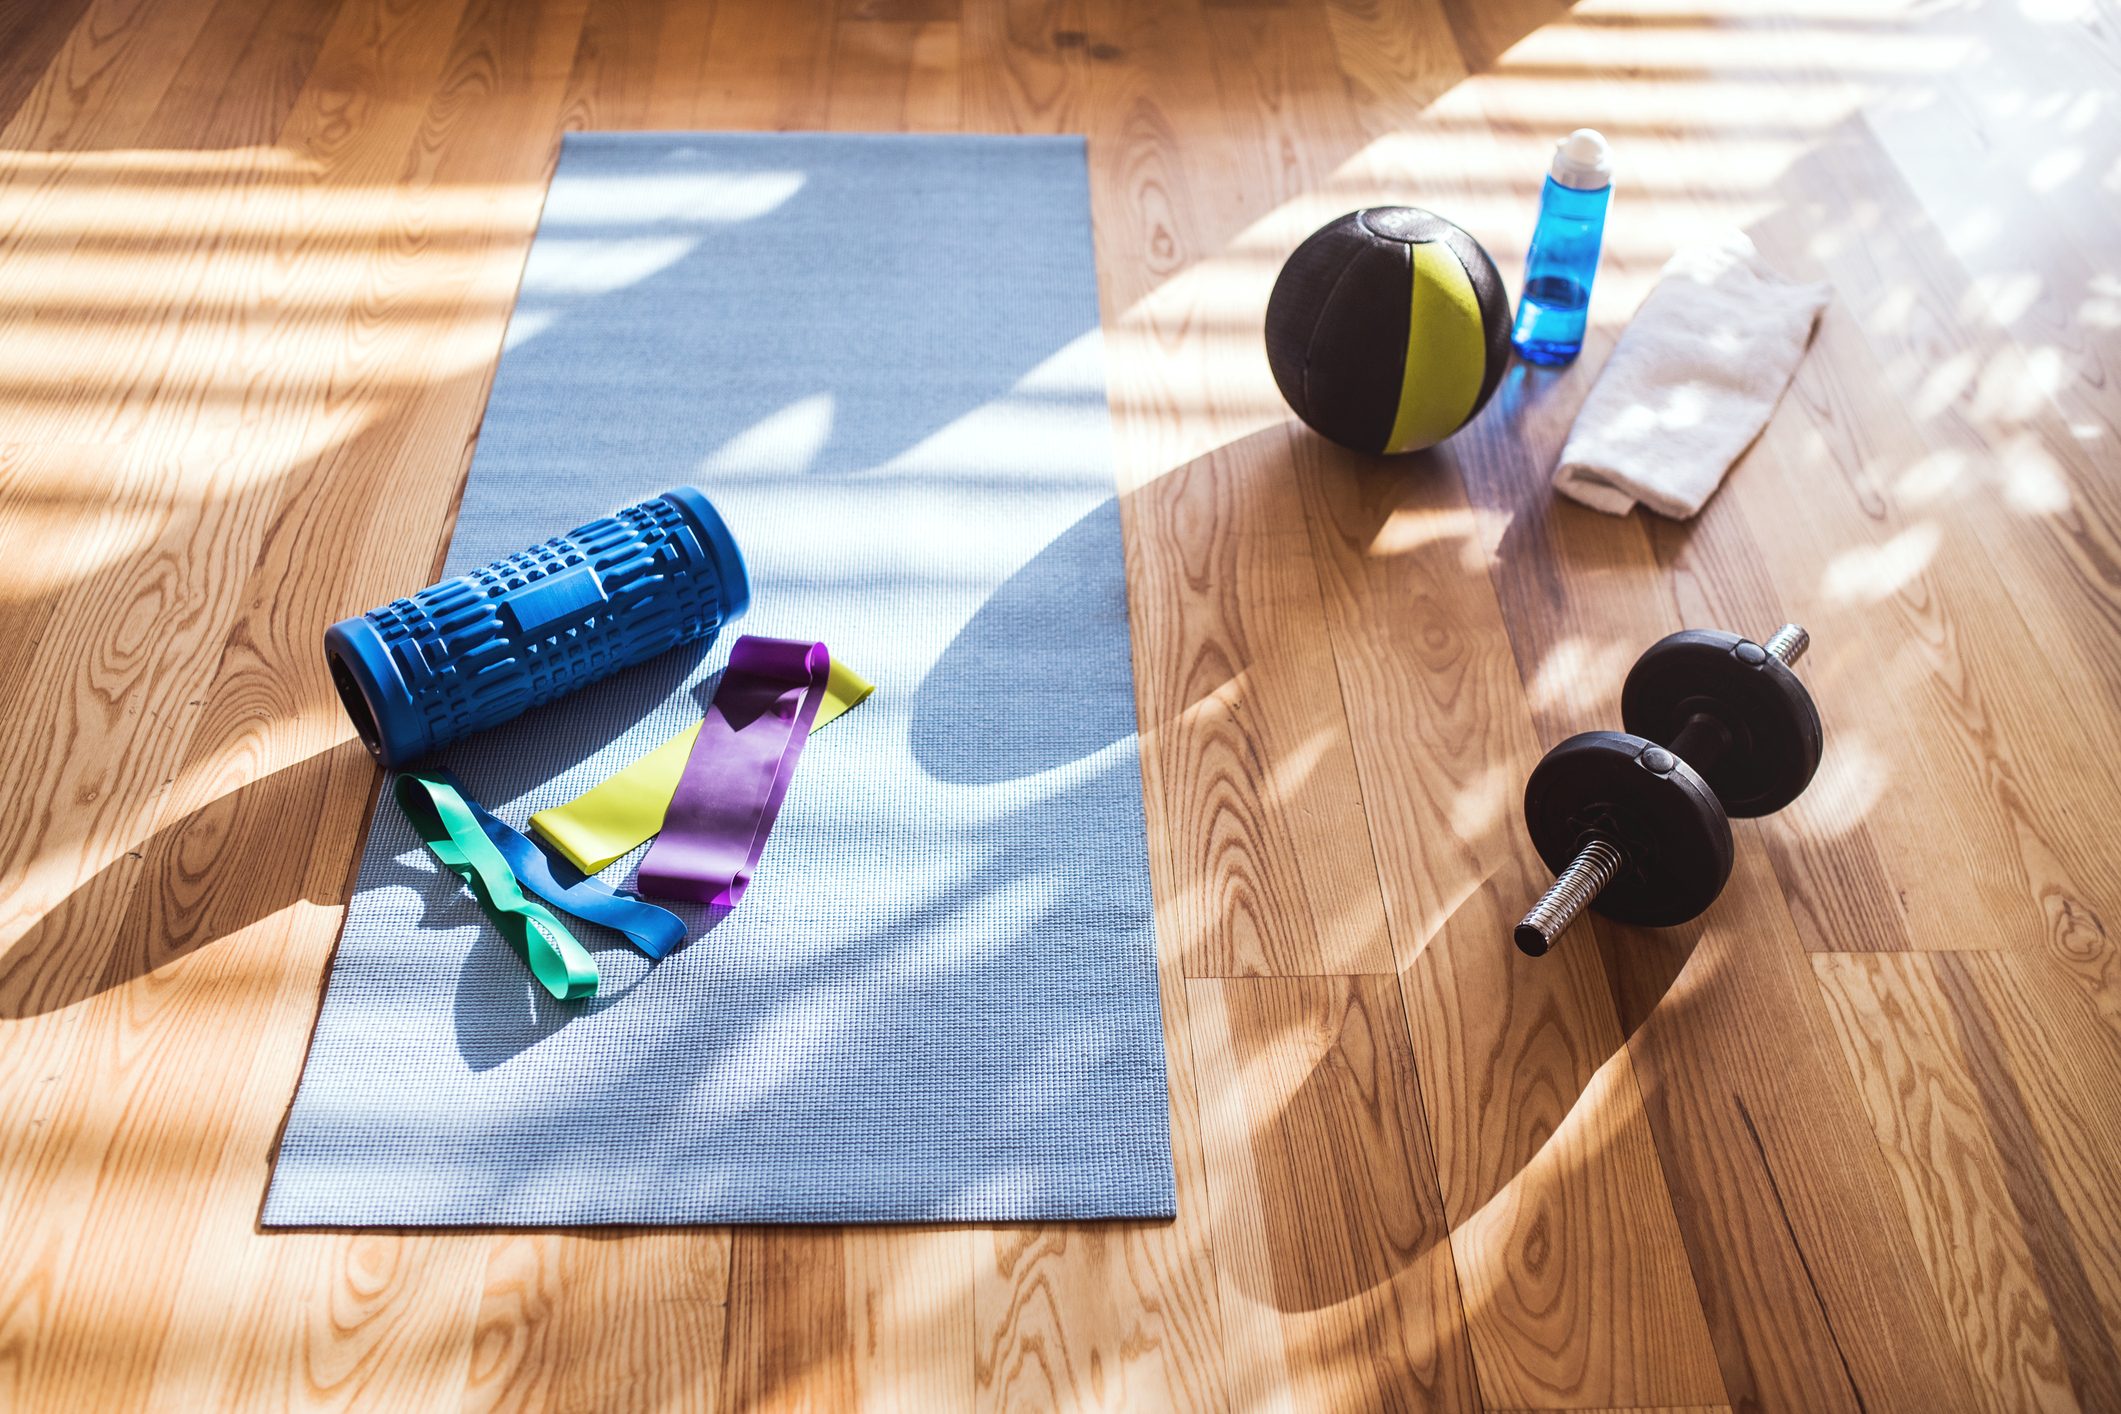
1690	383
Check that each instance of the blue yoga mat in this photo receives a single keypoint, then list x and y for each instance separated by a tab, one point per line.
880	357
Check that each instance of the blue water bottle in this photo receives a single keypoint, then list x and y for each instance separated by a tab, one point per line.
1563	260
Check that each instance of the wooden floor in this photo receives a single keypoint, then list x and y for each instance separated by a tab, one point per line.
1851	1141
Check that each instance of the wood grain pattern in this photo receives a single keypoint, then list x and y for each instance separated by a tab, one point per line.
600	1319
2035	1066
2030	557
1232	682
1848	1141
892	76
1239	735
1336	1271
788	1345
1536	1119
1930	1116
31	34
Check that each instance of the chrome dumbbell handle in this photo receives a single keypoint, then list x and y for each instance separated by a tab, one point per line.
1571	892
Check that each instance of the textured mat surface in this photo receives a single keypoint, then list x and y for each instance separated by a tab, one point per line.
879	356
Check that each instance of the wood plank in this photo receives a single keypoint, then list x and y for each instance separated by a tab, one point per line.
31	34
613	83
1335	1269
769	65
849	1317
679	66
83	788
789	1344
643	64
1813	1291
1813	1287
600	1319
2041	1055
52	536
1667	1409
916	12
1251	781
1926	1107
1718	566
1961	630
2038	583
831	1318
1086	1316
1265	824
1963	636
106	78
2026	138
1029	69
912	1318
244	73
894	76
387	1323
1396	57
1485	29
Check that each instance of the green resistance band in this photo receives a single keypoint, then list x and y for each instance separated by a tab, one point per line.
452	831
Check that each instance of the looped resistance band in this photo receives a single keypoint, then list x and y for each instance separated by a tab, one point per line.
607	821
447	823
655	931
726	802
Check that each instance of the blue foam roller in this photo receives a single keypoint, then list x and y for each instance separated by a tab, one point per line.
474	651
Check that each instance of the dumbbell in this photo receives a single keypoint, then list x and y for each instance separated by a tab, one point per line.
1637	824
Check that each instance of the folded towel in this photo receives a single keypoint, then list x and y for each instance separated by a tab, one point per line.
1690	383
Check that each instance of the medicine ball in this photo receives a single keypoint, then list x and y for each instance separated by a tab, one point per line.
1388	329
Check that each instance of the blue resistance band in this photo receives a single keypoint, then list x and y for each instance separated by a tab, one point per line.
655	931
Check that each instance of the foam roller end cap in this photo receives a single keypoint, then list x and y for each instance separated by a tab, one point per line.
715	538
375	694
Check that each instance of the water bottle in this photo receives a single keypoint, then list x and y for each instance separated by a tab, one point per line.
1559	267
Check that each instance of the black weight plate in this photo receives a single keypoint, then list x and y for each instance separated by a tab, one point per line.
1775	734
1674	841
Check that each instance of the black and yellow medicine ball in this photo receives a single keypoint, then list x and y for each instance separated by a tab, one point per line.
1388	329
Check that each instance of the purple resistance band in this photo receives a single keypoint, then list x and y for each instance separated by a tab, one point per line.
737	775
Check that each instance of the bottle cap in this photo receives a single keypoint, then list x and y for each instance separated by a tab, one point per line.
1583	160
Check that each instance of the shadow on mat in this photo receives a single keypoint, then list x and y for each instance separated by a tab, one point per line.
1006	698
500	1011
714	989
717	240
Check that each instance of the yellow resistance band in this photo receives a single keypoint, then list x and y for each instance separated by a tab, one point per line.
606	821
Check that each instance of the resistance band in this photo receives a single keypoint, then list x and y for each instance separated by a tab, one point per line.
451	829
655	931
608	820
738	773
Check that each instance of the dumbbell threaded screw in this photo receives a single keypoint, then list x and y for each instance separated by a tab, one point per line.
1571	892
1596	864
1787	644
